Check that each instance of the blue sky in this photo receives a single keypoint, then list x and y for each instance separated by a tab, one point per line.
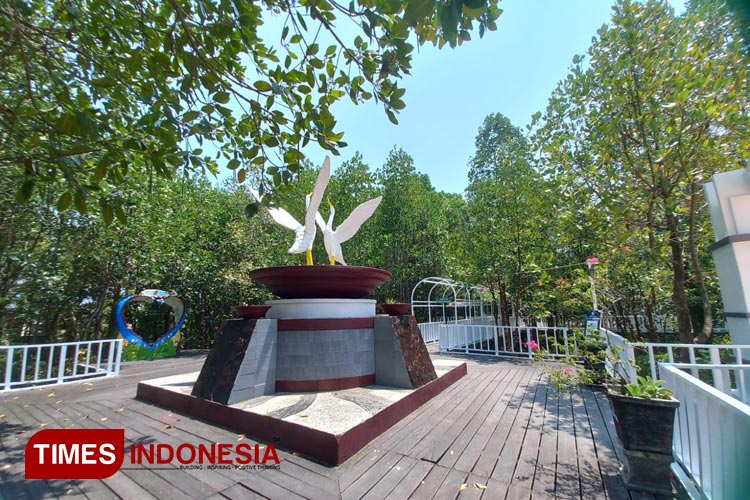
512	71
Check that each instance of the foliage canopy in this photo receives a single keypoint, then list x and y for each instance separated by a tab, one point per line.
94	92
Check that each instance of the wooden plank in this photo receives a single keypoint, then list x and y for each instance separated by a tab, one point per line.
518	491
403	441
30	419
544	473
496	490
605	449
509	455
435	445
513	420
525	465
481	420
451	486
11	458
328	477
352	470
476	486
589	474
567	483
393	477
413	480
366	481
259	481
429	487
481	437
195	483
239	492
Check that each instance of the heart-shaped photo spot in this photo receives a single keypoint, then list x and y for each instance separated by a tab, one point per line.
153	313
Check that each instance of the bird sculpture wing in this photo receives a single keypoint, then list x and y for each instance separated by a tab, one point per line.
317	195
359	215
320	221
279	215
306	234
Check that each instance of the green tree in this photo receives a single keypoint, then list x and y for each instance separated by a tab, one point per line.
93	92
508	220
659	108
408	227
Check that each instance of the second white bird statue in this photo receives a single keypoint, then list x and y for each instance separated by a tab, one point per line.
332	239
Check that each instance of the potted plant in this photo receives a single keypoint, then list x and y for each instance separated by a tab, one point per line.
643	410
393	308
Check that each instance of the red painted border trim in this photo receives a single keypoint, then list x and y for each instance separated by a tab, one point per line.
315	324
311	442
329	384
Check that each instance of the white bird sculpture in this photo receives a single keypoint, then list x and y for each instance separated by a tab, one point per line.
304	234
333	239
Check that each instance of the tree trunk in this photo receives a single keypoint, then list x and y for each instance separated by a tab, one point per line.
708	317
679	297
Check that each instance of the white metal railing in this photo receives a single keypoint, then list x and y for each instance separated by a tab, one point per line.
697	354
711	436
620	359
505	340
431	330
23	366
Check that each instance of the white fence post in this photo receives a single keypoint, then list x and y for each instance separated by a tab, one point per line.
61	364
8	369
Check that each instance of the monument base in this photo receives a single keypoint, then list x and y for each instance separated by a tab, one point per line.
328	426
320	308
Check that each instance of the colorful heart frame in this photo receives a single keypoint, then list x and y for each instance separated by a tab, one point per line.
161	297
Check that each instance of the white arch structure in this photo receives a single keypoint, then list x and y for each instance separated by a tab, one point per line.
446	293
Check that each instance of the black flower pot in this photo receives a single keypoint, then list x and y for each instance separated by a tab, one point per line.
644	424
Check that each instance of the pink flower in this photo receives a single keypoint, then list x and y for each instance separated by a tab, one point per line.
566	370
532	344
592	261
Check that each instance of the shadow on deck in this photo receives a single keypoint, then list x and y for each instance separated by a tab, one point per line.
499	433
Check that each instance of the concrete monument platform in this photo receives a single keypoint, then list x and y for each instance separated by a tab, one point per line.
328	425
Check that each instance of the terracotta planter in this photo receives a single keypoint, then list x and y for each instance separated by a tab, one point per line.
396	309
321	282
251	312
644	424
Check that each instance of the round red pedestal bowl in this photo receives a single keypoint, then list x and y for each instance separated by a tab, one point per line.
251	312
396	309
321	282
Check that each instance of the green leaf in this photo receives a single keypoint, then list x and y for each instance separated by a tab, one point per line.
190	116
65	201
262	86
241	173
80	202
24	193
416	10
233	164
100	172
108	213
251	210
391	116
103	82
221	97
120	214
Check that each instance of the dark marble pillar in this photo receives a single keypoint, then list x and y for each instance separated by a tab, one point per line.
219	372
417	359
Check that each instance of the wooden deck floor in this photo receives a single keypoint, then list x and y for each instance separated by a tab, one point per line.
498	433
